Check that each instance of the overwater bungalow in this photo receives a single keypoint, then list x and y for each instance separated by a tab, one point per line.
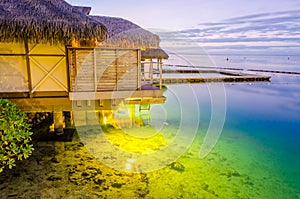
54	57
125	34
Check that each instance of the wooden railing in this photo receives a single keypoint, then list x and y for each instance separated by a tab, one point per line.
104	69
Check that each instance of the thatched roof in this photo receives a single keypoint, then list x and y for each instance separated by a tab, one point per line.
157	53
85	10
46	21
125	34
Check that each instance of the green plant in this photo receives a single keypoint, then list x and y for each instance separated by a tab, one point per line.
15	140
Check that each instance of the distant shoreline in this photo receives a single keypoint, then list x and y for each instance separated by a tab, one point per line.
236	54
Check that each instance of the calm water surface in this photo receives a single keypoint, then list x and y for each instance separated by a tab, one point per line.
257	154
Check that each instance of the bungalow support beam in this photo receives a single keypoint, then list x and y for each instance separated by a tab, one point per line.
59	121
28	68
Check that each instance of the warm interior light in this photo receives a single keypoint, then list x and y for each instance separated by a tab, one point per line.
75	43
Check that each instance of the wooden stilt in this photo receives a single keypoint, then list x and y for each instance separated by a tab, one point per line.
59	121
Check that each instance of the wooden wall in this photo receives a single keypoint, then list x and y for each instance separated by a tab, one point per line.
13	68
33	70
43	70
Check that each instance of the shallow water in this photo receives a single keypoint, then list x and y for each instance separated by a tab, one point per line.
256	155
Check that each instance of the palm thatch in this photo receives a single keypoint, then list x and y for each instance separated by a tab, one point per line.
46	21
157	53
125	34
84	9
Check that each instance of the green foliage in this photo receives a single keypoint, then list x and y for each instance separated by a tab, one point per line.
15	140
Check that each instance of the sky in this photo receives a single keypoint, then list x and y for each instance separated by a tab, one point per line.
217	25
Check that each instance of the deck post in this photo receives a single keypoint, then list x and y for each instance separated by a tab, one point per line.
117	67
59	124
160	73
139	70
95	70
151	71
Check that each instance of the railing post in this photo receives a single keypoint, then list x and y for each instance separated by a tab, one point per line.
95	70
151	71
139	70
117	66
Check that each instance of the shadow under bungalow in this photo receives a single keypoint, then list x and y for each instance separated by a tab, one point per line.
56	58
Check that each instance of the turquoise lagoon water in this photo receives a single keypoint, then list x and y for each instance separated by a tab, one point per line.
257	154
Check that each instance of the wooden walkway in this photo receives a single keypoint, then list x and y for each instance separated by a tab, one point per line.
220	76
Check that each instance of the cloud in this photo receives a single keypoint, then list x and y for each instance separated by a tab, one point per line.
275	31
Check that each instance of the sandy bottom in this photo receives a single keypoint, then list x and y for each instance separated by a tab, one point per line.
69	170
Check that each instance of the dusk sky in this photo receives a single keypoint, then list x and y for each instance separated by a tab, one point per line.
221	24
179	14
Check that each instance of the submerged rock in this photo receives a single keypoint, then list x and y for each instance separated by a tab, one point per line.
177	166
117	185
12	195
230	173
54	178
54	160
99	181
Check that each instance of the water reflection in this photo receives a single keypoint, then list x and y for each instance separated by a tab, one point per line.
271	100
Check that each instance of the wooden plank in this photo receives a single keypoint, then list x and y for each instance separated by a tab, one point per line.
128	85
14	95
50	94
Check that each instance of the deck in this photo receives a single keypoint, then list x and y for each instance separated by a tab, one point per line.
89	100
